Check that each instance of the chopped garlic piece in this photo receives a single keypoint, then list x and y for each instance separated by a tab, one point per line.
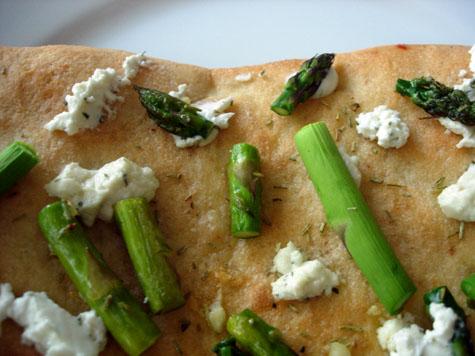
217	314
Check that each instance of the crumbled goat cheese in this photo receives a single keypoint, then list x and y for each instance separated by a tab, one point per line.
338	349
6	300
462	73
53	331
401	338
385	125
243	77
301	279
91	100
181	93
327	86
457	201
287	259
211	110
132	64
467	132
94	192
217	314
352	165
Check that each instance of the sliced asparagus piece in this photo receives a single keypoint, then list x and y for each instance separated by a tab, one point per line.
256	336
245	191
100	288
304	84
461	344
148	250
16	160
468	287
349	215
438	100
174	115
228	347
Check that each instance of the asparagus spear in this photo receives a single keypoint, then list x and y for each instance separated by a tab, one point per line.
349	215
304	84
461	344
438	99
256	336
468	287
174	115
245	190
16	160
228	347
148	251
100	288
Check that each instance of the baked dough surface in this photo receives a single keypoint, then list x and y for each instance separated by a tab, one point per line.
193	210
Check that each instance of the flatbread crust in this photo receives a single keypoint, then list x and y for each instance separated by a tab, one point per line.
33	83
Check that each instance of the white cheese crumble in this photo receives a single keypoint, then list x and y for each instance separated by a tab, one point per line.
327	86
211	110
6	300
352	165
180	93
457	201
384	125
243	77
53	331
91	100
338	349
217	315
462	73
300	279
467	132
132	64
94	192
401	338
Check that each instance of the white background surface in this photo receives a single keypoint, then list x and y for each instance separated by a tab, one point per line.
234	33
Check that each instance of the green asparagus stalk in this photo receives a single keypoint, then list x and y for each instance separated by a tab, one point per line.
468	287
100	288
304	84
148	251
245	191
174	115
349	215
461	344
438	100
16	160
228	347
256	336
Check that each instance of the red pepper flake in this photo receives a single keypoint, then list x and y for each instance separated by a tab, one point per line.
401	46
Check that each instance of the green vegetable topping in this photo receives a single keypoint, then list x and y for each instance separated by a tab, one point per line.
228	347
16	160
256	336
100	288
148	250
174	115
304	84
438	100
468	287
245	190
349	215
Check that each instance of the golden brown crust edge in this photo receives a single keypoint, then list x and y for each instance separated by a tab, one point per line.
32	89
